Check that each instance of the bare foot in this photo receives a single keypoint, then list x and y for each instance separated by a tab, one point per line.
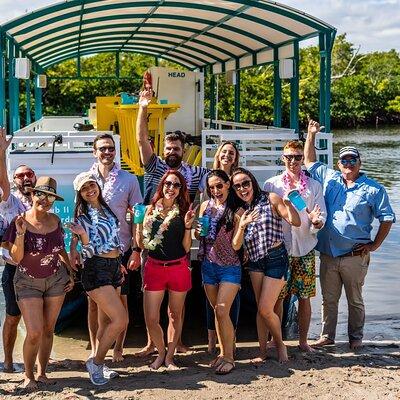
171	366
271	344
282	354
45	380
117	356
212	342
30	384
182	349
157	362
259	360
306	347
323	342
356	344
146	351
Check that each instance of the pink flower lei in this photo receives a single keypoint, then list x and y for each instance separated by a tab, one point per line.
301	185
107	185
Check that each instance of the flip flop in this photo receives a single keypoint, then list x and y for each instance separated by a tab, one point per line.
220	371
216	362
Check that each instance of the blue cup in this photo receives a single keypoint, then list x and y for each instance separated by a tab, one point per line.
204	221
163	101
139	210
297	200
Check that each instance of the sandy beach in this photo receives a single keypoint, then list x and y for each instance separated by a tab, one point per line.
331	373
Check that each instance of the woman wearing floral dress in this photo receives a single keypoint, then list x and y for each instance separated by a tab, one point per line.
166	234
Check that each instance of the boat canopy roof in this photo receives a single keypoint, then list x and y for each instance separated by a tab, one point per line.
224	35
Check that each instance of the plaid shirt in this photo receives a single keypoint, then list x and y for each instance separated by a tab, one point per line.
262	234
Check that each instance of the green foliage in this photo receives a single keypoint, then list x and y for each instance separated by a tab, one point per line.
365	87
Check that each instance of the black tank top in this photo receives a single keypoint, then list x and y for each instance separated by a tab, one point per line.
171	247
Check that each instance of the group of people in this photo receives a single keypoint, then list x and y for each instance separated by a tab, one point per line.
252	228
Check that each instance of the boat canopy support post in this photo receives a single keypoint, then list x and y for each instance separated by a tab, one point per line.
294	90
2	79
212	100
38	100
13	87
28	101
237	93
277	91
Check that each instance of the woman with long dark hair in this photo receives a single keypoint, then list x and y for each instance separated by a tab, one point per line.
166	234
268	258
220	269
97	228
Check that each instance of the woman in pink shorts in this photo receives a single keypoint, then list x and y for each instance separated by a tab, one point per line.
166	234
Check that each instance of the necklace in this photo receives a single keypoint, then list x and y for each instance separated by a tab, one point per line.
106	185
300	185
152	243
215	217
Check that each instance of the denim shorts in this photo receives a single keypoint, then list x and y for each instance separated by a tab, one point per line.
100	271
274	265
214	274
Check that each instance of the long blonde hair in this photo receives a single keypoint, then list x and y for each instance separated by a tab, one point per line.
217	165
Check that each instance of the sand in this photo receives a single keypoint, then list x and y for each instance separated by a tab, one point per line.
331	373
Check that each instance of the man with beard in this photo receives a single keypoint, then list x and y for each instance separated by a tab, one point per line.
155	167
13	203
121	191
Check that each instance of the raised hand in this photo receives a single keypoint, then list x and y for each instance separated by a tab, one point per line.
75	228
145	97
20	225
313	127
315	214
248	217
189	217
4	142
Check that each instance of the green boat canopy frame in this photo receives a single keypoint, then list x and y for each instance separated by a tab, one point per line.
215	36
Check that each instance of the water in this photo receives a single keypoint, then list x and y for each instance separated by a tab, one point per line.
380	160
380	157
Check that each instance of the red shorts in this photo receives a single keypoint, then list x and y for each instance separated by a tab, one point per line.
172	275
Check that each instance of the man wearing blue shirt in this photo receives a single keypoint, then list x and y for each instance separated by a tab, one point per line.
353	201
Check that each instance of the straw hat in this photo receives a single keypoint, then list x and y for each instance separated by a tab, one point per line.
46	185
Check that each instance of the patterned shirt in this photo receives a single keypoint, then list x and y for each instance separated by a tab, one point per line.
10	208
41	251
156	168
103	233
262	234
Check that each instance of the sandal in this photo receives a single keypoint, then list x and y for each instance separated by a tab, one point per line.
216	362
220	370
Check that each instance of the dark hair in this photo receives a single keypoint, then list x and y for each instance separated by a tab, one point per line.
257	192
176	135
102	136
227	218
183	196
81	206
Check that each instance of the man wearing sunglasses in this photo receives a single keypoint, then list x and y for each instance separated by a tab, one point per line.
14	202
121	191
353	201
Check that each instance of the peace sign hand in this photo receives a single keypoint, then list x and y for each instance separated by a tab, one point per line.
189	217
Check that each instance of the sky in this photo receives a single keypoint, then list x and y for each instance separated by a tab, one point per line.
371	24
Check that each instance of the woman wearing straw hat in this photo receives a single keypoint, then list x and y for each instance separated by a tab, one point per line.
35	241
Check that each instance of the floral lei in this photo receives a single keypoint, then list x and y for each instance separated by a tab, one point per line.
149	243
212	233
107	185
301	186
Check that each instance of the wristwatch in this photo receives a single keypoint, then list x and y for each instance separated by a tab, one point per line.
137	249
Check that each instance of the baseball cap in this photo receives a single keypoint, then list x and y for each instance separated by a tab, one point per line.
82	178
349	151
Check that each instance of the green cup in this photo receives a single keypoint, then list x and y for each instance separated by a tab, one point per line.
139	211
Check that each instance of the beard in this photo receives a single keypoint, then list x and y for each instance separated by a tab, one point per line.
173	161
23	188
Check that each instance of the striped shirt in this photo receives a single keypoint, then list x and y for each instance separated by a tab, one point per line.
103	232
156	168
262	234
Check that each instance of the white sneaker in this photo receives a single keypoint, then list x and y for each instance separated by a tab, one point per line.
109	373
96	372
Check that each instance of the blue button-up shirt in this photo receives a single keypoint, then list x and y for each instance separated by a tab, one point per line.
350	211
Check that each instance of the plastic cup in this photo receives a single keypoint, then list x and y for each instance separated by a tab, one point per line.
204	221
139	210
163	101
297	200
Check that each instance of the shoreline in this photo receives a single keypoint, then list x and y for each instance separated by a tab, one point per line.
331	372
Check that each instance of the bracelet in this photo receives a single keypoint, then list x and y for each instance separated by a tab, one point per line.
137	249
20	234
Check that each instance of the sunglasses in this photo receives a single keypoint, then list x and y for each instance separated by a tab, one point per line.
41	196
104	149
218	186
175	185
28	174
349	161
291	157
243	185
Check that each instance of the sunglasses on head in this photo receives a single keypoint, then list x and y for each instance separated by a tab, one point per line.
291	157
242	185
349	161
218	186
104	149
41	196
175	185
28	174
